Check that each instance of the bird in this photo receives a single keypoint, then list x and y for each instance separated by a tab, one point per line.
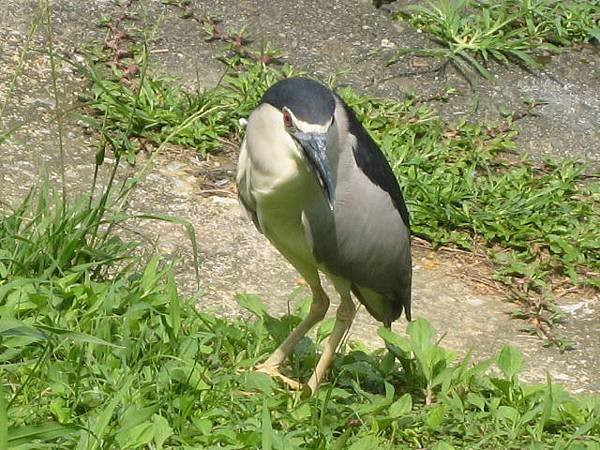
316	184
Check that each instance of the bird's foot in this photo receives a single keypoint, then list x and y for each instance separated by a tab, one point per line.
302	282
274	372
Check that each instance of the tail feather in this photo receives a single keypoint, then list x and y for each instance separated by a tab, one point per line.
384	309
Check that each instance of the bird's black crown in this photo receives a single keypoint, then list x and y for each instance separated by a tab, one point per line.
308	99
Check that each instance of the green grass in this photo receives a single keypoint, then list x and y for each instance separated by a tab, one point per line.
125	362
43	239
471	33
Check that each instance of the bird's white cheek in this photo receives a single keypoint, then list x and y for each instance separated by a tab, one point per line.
276	166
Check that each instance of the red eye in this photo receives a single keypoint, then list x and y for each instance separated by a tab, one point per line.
287	119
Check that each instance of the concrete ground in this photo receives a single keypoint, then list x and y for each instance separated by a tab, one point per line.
324	38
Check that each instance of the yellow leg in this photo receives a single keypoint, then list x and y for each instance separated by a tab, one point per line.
318	308
344	317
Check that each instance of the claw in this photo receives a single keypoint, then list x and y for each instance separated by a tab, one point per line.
274	372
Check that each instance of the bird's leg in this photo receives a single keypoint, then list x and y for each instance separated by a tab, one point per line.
344	317
318	308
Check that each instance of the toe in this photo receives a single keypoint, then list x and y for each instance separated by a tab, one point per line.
274	372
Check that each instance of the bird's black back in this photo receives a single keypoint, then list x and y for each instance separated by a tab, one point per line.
374	165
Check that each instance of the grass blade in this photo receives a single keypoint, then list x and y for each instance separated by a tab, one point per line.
45	433
3	420
267	427
190	231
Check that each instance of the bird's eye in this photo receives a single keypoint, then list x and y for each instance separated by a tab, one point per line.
287	119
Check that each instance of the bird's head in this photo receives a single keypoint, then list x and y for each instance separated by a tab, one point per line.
307	113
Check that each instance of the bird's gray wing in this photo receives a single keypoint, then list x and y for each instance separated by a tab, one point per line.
396	263
374	165
366	239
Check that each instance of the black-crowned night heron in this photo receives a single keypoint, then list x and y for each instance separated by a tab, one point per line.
318	187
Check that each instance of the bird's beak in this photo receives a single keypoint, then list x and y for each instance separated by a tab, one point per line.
315	149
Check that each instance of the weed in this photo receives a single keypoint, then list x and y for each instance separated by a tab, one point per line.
471	33
127	363
152	108
42	238
238	51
